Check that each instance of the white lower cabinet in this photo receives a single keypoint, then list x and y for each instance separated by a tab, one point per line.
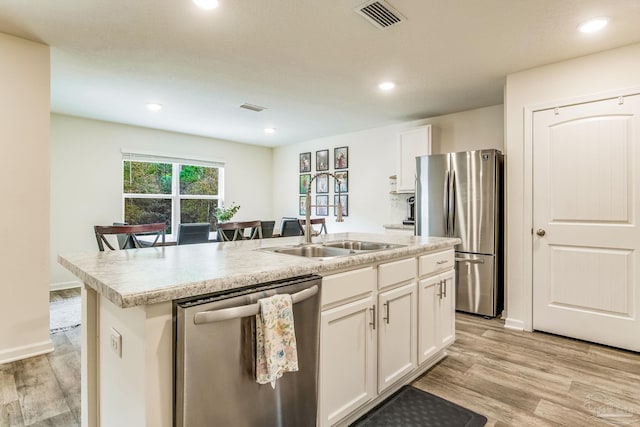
347	359
447	310
397	334
378	326
436	314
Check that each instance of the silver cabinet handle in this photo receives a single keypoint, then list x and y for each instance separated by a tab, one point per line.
444	261
471	260
440	286
541	232
373	317
246	310
445	289
386	304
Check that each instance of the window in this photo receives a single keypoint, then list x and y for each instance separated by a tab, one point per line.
171	190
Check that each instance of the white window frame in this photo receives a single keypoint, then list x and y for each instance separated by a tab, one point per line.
175	196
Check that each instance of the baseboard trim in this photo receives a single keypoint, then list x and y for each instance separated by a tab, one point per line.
515	324
26	351
64	285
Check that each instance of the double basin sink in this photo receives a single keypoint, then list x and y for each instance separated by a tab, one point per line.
333	249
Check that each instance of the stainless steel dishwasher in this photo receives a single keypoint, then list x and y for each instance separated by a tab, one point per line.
215	349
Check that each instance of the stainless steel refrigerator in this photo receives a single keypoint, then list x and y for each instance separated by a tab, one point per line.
460	195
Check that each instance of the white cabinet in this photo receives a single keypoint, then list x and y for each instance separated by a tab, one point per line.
436	320
413	143
429	295
378	325
397	334
447	310
347	359
348	338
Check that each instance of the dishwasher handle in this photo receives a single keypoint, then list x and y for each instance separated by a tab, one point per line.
246	310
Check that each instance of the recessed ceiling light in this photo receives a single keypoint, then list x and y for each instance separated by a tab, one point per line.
386	85
269	130
593	25
206	4
152	106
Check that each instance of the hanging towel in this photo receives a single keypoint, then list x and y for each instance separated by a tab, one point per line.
276	351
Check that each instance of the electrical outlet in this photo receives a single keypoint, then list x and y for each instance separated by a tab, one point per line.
116	342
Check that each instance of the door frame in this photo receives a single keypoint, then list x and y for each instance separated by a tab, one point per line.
526	323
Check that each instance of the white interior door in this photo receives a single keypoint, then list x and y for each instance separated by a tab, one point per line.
586	236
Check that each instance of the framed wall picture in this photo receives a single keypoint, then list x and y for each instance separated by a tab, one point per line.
322	184
341	158
322	205
322	160
344	200
305	162
302	210
344	182
304	182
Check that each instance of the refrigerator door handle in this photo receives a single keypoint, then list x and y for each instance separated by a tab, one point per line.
471	260
452	205
445	204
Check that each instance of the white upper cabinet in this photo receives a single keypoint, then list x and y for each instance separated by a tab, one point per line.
413	143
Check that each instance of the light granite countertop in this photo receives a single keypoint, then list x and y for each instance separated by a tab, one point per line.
135	277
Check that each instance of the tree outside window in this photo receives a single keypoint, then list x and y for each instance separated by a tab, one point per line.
170	192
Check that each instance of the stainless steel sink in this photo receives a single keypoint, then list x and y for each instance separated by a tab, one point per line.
359	245
324	251
314	251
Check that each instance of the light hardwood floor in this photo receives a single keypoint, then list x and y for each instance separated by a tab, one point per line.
512	378
536	379
44	390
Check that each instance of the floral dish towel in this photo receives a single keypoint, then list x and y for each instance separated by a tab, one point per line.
275	339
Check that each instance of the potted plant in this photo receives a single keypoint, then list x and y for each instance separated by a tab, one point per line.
223	214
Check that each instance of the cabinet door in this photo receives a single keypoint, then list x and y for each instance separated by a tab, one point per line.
429	291
347	359
397	334
447	310
413	143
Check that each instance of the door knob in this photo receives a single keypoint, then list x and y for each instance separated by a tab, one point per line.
540	232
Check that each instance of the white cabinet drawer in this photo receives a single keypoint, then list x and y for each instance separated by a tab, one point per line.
343	286
396	272
436	262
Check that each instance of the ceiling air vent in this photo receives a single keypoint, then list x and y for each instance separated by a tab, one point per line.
252	107
380	13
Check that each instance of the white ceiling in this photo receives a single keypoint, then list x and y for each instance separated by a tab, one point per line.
314	64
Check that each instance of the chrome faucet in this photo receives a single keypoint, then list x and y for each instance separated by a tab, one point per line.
308	205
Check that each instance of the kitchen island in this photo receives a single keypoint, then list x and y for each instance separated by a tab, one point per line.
128	381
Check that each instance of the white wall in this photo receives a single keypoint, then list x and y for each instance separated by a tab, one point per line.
585	76
24	217
86	178
373	157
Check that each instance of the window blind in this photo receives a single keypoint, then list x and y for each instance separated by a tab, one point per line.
138	156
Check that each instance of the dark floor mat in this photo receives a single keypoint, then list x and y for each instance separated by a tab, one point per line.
413	407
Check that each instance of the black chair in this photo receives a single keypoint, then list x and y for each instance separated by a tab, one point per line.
290	227
197	232
267	228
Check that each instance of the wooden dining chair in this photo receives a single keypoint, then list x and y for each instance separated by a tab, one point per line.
228	231
312	222
131	232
